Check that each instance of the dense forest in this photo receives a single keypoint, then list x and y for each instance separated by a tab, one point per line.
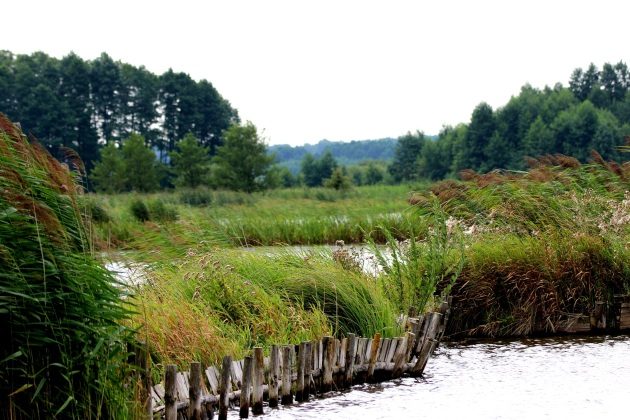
71	102
592	113
109	112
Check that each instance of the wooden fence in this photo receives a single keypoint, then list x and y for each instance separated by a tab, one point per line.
294	372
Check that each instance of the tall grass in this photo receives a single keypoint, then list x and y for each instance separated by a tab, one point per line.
63	351
224	302
540	245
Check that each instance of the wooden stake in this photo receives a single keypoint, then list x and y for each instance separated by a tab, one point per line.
328	344
287	396
373	354
246	387
350	355
301	365
170	393
258	379
274	375
308	367
194	392
224	387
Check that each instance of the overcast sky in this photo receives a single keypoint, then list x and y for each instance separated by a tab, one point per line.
342	70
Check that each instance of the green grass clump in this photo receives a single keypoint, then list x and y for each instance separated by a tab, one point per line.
63	351
226	301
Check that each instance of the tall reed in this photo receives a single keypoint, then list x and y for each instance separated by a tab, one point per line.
64	351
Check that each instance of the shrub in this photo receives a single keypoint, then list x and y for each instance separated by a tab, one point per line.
139	210
195	197
160	212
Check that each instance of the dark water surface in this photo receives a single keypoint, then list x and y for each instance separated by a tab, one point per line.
572	378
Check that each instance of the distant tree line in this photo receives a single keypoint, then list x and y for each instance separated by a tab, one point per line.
82	104
593	113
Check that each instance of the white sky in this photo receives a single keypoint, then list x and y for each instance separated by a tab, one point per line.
342	70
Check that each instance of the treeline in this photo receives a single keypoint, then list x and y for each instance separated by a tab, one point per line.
346	153
593	113
81	104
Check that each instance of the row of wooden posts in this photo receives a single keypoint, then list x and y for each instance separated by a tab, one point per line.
295	372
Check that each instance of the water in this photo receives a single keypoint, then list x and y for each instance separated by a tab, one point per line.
576	378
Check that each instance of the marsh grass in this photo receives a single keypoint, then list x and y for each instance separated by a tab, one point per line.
540	245
226	301
64	351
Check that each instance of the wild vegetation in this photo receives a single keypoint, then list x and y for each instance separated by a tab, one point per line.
64	345
541	245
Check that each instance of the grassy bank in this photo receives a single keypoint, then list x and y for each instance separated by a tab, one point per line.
189	219
540	245
226	301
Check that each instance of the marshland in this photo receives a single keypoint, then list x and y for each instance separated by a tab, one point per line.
539	249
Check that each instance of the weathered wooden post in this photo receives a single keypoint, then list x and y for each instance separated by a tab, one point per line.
194	392
351	351
259	374
287	396
328	344
224	387
170	393
301	365
373	354
428	345
308	368
274	375
399	356
246	387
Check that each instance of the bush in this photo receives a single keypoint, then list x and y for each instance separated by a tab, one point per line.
160	212
95	212
195	197
139	210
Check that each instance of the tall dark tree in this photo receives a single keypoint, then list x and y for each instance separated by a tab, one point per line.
408	149
480	130
242	162
106	96
74	90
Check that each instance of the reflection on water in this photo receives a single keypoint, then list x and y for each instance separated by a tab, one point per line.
572	378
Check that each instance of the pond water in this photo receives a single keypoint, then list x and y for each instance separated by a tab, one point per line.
572	378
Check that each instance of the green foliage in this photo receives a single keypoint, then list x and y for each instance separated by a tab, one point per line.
316	171
190	162
72	102
139	210
142	173
338	181
161	212
413	270
242	162
64	349
109	173
408	149
198	197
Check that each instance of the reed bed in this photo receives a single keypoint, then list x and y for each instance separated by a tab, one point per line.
64	349
540	245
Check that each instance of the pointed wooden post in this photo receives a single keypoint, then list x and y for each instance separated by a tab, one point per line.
301	365
308	368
